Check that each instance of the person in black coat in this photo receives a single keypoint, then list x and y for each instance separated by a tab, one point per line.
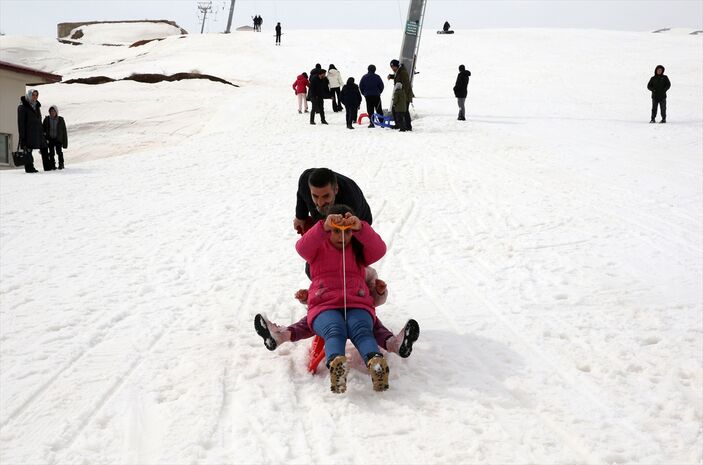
278	33
318	90
351	99
31	132
658	85
461	91
56	134
371	87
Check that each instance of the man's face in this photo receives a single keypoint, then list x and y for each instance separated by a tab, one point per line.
659	71
394	68
323	197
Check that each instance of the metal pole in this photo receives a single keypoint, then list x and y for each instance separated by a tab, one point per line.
229	21
202	28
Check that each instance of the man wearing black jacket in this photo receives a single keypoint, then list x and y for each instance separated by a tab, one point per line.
319	189
658	85
318	89
461	91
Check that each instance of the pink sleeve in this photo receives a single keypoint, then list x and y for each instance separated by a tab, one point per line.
374	247
308	245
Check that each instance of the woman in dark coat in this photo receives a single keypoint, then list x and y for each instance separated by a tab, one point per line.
350	97
29	126
461	91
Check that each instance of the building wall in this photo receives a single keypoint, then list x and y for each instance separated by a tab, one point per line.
12	87
64	29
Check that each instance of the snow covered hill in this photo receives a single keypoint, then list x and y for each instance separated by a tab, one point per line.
550	247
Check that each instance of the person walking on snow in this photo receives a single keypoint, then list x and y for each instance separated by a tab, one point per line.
400	74
461	90
351	98
658	85
300	86
336	83
278	33
371	87
318	89
55	131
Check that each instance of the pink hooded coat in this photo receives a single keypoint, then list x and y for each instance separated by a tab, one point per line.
327	287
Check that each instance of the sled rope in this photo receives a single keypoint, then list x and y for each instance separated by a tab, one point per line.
344	266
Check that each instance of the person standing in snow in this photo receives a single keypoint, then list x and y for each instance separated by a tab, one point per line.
371	87
300	86
461	90
658	85
336	83
400	74
29	127
446	26
55	131
400	113
351	98
278	33
318	90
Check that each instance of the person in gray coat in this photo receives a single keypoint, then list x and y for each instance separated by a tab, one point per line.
55	131
29	126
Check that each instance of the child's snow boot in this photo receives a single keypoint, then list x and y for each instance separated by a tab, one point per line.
378	369
272	334
411	332
338	374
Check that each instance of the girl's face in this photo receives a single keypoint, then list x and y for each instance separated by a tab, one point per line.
337	236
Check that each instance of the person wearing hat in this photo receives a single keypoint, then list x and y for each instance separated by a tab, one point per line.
400	74
56	134
658	85
461	91
371	87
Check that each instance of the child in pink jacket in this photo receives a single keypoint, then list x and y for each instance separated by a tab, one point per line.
300	86
340	304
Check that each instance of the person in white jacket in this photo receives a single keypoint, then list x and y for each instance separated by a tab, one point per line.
336	84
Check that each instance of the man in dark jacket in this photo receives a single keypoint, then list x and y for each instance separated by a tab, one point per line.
461	91
659	84
371	87
278	33
55	131
400	74
317	92
351	99
29	125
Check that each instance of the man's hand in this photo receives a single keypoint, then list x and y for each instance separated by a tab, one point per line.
380	287
299	225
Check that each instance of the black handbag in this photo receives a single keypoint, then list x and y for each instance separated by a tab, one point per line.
18	157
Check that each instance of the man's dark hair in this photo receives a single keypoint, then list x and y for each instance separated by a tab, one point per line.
320	177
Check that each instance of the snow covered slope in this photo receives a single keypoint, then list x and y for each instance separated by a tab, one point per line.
550	248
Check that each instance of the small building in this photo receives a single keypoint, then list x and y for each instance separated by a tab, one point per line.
14	80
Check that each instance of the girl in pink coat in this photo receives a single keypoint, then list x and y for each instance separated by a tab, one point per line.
301	91
325	247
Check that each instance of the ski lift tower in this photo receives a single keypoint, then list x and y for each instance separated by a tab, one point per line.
204	7
411	37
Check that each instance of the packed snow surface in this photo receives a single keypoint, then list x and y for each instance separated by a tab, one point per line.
550	248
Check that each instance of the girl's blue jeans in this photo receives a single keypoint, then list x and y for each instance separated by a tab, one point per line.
331	327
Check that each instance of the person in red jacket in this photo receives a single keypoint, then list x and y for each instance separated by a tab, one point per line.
340	305
300	86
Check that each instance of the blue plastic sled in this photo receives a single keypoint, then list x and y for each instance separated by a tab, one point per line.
380	120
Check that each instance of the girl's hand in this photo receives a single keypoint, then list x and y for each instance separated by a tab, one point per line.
331	221
302	296
352	221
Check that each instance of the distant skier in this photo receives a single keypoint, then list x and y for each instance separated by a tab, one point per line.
351	98
336	83
371	87
278	33
659	84
446	26
55	131
461	91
